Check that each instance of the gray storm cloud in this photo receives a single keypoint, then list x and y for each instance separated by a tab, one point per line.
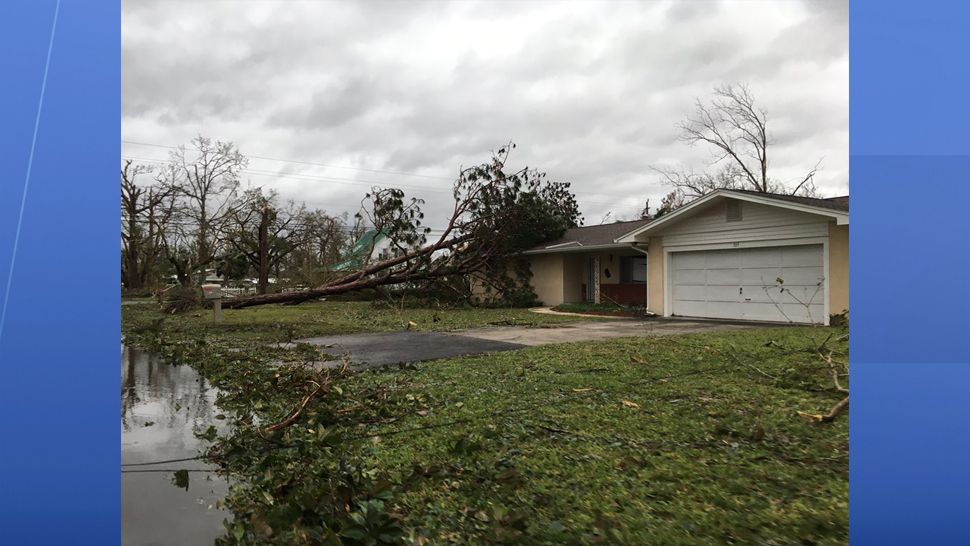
590	92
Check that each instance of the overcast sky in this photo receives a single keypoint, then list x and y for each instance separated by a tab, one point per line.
403	93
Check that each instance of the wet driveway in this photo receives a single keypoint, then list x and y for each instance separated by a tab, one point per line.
161	406
384	349
365	351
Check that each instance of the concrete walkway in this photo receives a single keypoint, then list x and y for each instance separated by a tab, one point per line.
366	351
549	311
572	332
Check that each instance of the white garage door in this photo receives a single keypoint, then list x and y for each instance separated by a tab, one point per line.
741	284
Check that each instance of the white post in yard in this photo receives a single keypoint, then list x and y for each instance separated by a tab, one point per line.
213	293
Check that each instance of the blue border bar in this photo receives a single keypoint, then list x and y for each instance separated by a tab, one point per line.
910	164
910	257
59	255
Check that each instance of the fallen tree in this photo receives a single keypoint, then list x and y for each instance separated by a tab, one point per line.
495	216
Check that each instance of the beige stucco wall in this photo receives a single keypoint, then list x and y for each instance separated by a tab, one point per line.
558	278
547	277
609	261
574	274
655	275
838	268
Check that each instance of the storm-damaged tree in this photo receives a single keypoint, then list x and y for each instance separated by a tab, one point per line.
737	130
143	221
496	214
328	239
205	200
266	232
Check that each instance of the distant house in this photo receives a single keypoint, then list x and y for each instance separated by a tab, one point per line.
373	246
212	276
731	254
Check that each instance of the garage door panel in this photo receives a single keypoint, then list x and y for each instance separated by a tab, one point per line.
690	292
801	256
723	293
722	260
757	293
689	260
760	257
802	294
724	310
730	277
691	276
732	284
801	276
772	312
689	308
760	276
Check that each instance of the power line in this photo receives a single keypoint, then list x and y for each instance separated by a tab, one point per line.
297	176
329	166
325	165
191	223
367	183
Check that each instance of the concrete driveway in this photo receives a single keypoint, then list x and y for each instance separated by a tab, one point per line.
365	351
596	330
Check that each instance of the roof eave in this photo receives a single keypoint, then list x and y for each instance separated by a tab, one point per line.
571	249
841	218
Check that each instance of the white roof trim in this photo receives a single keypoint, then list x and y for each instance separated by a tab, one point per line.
577	248
569	243
841	218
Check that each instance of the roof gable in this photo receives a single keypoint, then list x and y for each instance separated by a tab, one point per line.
836	208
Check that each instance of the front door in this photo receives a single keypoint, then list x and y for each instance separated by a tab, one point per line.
592	276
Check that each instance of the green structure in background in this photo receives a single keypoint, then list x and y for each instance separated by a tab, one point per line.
355	258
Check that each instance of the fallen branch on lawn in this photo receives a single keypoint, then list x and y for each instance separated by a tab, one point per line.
296	413
830	416
836	369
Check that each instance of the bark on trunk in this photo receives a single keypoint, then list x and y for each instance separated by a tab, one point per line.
263	266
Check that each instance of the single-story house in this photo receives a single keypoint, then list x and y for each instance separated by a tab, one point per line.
732	254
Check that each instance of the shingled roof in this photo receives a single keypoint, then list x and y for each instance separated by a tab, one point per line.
606	234
835	203
603	234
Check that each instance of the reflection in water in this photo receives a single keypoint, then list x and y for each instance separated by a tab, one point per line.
161	406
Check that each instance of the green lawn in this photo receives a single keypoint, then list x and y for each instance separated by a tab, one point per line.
690	439
283	323
636	441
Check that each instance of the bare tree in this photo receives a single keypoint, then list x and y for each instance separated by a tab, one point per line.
737	129
143	220
266	232
327	239
495	215
206	200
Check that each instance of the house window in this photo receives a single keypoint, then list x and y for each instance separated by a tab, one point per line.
633	269
733	210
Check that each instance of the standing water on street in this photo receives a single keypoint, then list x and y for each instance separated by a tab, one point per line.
162	406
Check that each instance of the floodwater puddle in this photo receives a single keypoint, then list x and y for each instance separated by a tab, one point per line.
161	407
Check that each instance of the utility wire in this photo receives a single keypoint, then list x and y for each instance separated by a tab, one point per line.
325	165
329	166
367	183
